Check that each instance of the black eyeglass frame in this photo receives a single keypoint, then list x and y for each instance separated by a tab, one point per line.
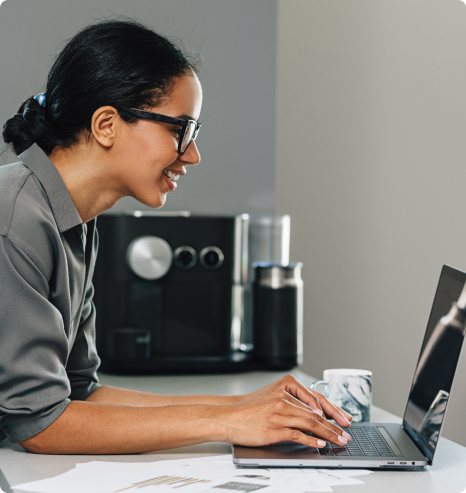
149	115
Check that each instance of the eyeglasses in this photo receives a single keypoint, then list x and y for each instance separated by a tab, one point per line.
189	128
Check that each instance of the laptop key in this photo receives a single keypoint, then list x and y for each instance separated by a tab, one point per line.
371	441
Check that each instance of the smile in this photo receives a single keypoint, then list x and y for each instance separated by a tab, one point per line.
172	175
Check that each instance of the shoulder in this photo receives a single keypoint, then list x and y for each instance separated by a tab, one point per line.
13	173
25	216
12	180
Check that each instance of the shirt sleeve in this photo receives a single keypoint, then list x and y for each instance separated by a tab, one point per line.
34	386
83	360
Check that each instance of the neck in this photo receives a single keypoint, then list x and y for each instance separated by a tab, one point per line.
85	174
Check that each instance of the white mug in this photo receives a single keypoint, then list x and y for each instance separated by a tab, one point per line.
351	390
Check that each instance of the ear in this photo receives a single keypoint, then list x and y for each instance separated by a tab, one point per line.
104	125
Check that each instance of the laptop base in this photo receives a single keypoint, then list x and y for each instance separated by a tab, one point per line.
290	454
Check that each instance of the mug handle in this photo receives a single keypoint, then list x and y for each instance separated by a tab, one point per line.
317	383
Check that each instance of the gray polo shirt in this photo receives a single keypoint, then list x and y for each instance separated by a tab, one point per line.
47	318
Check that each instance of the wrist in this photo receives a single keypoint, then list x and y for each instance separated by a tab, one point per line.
224	400
232	399
217	419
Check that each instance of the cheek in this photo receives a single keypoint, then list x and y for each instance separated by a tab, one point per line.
149	153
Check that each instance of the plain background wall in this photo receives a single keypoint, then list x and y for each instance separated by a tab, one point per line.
371	166
236	174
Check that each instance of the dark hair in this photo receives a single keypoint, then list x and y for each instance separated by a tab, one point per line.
120	63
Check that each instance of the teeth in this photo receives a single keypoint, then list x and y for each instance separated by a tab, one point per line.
173	176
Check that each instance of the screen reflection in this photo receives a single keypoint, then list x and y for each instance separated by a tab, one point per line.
437	363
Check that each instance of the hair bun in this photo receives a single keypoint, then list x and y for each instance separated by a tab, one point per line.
29	125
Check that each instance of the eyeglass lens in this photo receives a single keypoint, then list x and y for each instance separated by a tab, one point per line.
188	136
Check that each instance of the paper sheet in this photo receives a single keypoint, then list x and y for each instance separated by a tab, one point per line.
198	475
106	480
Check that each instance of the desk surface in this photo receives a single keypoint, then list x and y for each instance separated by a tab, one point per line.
447	474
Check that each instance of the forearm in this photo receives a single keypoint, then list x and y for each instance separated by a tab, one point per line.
94	428
282	411
124	397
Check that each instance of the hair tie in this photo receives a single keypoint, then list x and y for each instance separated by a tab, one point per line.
40	98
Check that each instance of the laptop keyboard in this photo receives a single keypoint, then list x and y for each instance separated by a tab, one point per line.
366	442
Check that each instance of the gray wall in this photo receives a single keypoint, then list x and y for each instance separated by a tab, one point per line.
371	165
238	38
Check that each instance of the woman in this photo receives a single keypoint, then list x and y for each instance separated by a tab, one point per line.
118	118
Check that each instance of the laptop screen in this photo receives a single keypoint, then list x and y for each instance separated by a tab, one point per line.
437	363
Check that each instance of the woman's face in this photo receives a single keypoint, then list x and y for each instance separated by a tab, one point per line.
147	149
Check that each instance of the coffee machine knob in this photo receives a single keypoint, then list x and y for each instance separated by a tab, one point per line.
185	257
149	257
211	257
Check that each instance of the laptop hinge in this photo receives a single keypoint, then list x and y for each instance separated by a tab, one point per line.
417	441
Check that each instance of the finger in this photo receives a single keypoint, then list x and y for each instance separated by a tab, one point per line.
290	435
326	430
288	410
298	390
333	427
334	412
282	394
291	410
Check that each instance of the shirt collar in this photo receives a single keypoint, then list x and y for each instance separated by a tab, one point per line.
63	208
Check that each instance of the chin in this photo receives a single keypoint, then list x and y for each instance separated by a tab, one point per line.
154	202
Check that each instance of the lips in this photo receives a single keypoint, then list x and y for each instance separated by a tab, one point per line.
171	184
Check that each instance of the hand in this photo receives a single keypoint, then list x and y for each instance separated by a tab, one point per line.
317	402
275	417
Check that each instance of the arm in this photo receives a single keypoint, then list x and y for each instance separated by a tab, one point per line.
124	397
158	422
95	428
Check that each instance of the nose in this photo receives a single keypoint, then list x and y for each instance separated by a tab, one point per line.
191	155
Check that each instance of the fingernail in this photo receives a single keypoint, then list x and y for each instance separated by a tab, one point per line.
347	420
319	412
321	443
347	435
342	440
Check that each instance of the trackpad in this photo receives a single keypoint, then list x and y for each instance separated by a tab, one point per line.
282	450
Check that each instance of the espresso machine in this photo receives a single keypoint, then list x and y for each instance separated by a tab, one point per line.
173	291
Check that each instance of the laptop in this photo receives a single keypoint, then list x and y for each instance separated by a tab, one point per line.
386	445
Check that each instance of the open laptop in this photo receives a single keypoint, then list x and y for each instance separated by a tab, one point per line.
386	445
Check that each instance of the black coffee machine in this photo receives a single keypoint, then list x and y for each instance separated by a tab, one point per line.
171	291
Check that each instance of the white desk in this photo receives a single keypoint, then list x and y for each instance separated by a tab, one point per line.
447	475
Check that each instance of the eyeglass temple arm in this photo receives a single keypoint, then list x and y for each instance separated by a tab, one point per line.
155	116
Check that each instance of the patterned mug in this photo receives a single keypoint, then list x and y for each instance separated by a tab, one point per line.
351	390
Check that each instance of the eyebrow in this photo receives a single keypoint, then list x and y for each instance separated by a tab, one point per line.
186	117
